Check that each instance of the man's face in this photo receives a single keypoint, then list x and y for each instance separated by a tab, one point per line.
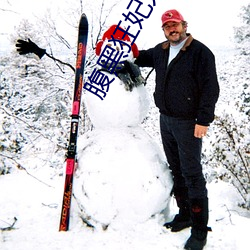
174	32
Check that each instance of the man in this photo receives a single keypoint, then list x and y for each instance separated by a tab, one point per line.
186	93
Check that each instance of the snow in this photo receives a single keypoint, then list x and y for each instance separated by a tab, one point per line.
34	196
119	108
121	180
37	208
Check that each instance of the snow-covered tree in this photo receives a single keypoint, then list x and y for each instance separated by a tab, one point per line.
34	105
242	33
230	154
36	95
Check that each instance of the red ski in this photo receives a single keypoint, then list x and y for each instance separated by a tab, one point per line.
71	153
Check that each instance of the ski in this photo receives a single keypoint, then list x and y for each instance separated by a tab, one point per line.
71	160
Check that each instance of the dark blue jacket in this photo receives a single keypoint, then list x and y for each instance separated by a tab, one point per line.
188	87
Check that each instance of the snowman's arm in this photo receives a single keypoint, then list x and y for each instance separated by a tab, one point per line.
25	47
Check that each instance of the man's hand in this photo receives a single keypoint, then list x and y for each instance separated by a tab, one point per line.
200	131
24	47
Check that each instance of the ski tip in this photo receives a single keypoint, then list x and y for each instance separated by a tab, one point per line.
83	20
84	17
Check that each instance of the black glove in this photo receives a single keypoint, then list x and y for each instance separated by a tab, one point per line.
135	73
24	47
132	71
126	79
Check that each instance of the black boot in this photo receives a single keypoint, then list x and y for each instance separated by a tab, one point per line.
199	215
182	220
197	240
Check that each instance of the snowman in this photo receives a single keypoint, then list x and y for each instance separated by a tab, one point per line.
122	178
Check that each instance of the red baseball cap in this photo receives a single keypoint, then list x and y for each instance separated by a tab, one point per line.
171	16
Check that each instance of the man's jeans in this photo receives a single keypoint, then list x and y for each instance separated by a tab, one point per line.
183	152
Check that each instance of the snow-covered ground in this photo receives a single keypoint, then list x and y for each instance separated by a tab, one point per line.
31	198
37	208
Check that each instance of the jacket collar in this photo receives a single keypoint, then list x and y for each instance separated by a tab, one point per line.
166	44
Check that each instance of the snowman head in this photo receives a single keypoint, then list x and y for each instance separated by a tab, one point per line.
120	108
109	38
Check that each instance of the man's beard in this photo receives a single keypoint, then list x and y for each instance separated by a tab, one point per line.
182	36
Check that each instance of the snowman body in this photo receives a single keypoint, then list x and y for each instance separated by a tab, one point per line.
122	177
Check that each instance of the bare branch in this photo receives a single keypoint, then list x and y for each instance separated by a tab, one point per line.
19	166
10	227
102	21
1	9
